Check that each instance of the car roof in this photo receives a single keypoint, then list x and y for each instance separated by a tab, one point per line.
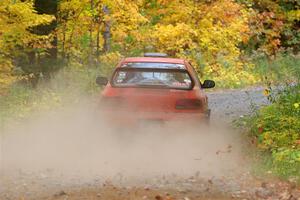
154	59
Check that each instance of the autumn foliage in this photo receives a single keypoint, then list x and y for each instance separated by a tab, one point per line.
16	21
216	36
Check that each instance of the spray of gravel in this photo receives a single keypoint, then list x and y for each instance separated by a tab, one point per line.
78	143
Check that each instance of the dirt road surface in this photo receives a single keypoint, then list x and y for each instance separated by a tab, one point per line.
69	157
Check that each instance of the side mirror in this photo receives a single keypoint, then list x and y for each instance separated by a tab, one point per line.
102	81
208	84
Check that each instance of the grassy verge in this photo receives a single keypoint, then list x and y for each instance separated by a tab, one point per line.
276	131
259	70
68	86
285	67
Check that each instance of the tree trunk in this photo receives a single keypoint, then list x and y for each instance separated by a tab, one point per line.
64	41
106	33
98	41
50	7
91	35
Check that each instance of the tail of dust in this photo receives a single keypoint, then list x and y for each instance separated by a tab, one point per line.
78	142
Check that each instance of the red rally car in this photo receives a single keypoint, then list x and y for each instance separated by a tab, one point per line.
154	88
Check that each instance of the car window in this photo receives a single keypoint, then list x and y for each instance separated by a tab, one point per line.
153	78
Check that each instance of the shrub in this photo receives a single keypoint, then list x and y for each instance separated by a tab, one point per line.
277	129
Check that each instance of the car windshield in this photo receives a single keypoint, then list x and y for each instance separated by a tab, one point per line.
162	78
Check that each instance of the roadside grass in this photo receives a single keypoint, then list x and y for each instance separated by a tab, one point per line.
68	86
257	70
285	67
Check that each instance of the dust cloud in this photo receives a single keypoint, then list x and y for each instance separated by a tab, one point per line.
79	142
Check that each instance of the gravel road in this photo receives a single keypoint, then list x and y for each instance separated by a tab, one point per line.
234	183
227	105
